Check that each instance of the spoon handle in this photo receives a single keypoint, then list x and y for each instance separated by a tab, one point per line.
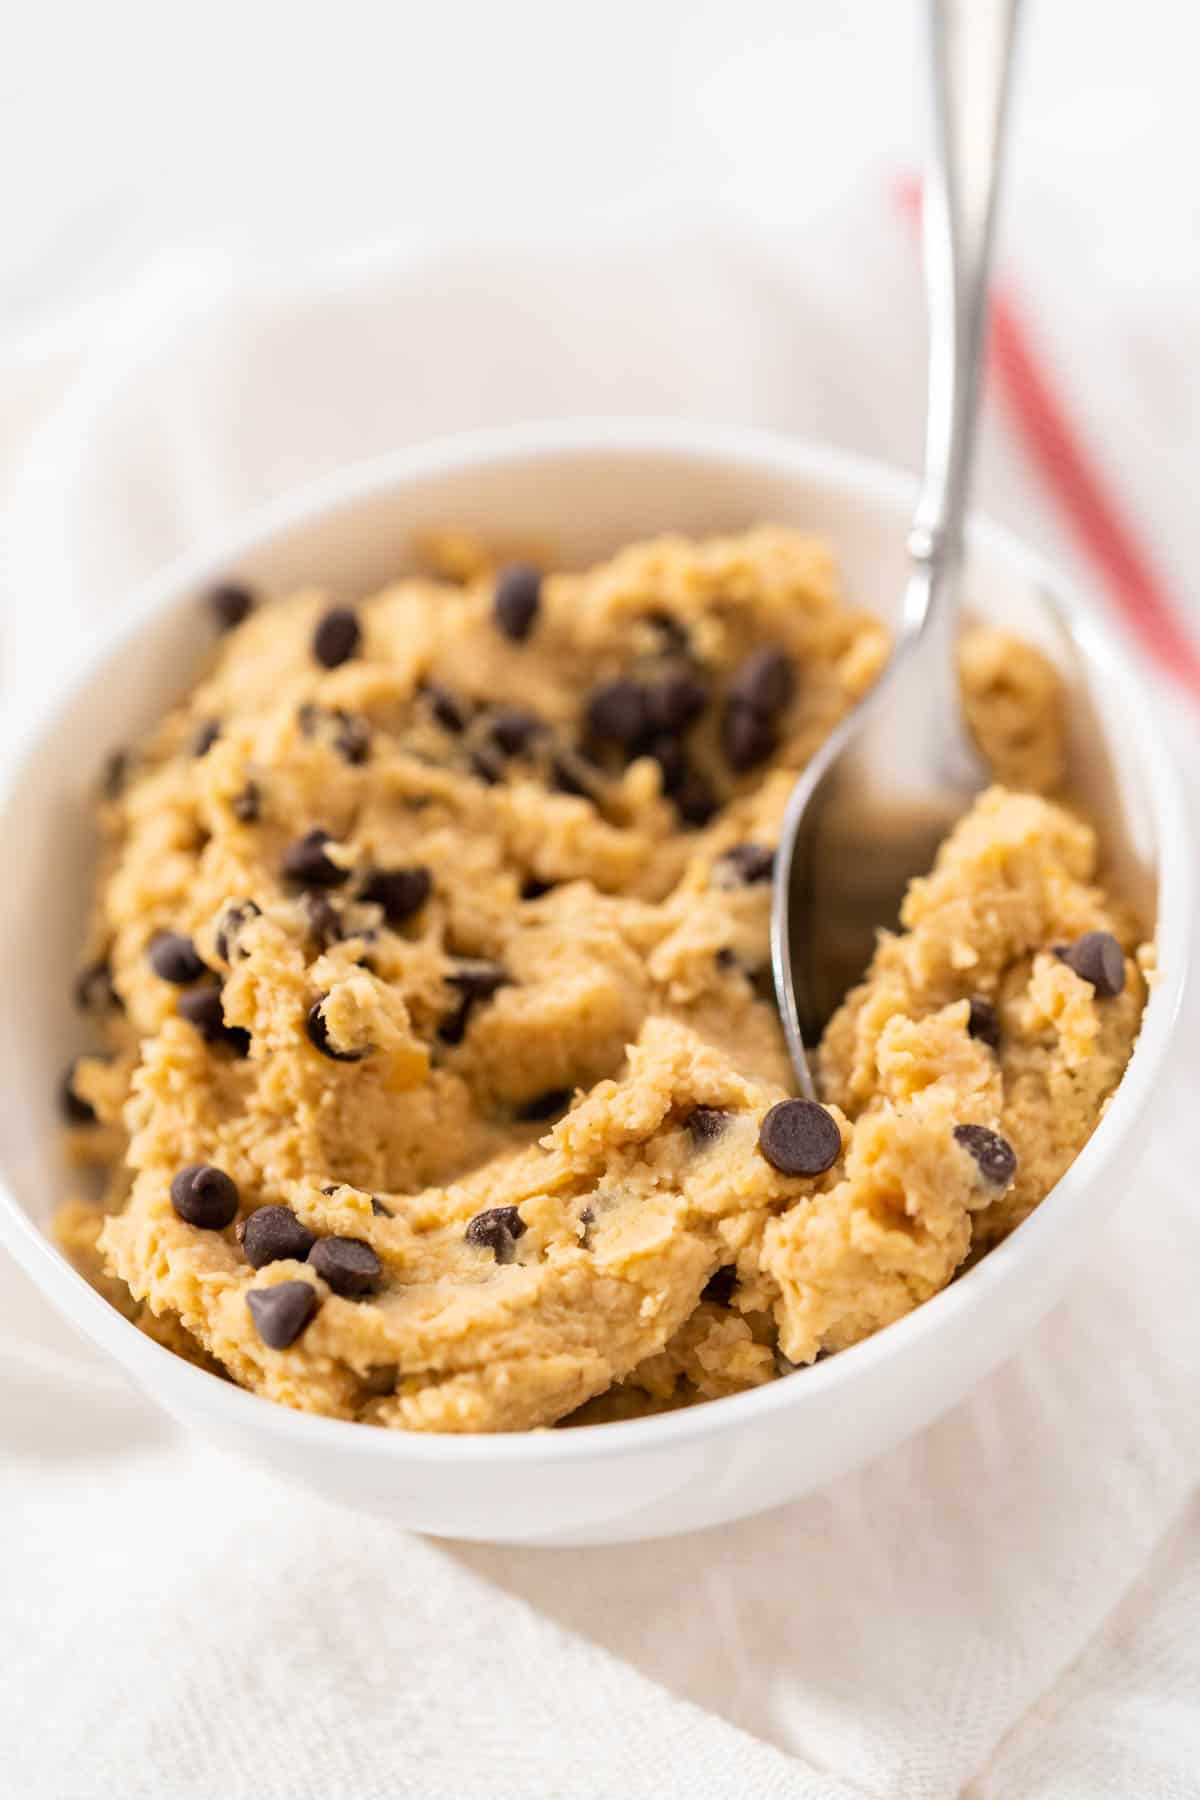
971	45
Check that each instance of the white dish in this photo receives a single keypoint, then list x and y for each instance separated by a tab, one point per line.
587	488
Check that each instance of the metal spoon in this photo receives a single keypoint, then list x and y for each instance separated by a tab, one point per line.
874	804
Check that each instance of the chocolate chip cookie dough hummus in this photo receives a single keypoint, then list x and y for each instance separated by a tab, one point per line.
441	1083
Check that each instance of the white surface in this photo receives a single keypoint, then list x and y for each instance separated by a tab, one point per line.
1006	1607
585	489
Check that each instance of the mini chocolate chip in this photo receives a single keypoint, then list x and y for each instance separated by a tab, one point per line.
380	1210
94	990
570	774
764	682
982	1022
230	605
497	1230
695	801
204	1196
475	981
726	958
1096	957
280	1313
995	1156
206	736
337	637
487	766
617	712
749	863
349	1265
75	1109
798	1137
532	888
719	1287
400	892
318	1035
275	1234
201	1007
545	1106
671	631
450	712
352	740
116	773
237	914
676	701
306	863
748	737
324	920
668	753
247	806
515	603
706	1124
512	729
174	958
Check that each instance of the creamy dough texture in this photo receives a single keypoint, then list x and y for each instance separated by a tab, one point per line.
525	968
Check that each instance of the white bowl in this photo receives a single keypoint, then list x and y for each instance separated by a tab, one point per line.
588	488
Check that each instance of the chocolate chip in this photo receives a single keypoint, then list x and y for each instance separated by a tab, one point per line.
719	1287
982	1022
201	1007
512	729
764	682
324	920
349	1265
669	754
280	1313
695	801
706	1124
116	773
497	1230
475	981
671	631
450	712
1097	958
570	774
748	737
798	1137
617	713
275	1234
230	605
75	1109
487	765
247	806
204	1196
206	736
400	892
545	1106
380	1210
532	888
748	863
174	958
352	739
337	637
306	863
234	917
995	1156
517	597
94	990
676	701
318	1035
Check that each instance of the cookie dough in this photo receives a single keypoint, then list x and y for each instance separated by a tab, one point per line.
437	924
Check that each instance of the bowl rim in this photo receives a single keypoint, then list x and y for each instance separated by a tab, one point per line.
753	449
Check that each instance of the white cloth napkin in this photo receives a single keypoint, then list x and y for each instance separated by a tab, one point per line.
1005	1606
